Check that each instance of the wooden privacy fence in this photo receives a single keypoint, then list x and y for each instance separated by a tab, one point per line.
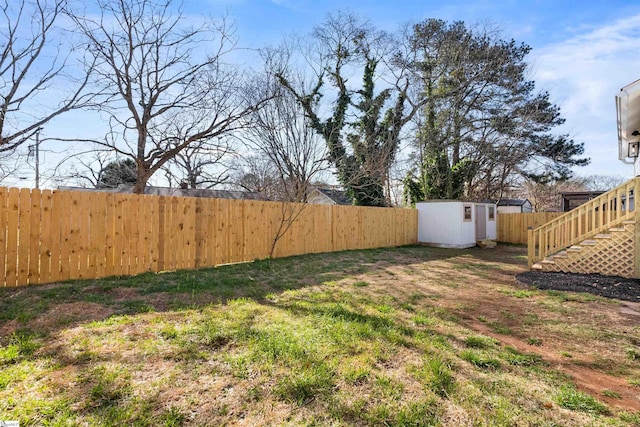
513	227
48	236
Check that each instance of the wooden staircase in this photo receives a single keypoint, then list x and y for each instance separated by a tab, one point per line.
597	237
610	253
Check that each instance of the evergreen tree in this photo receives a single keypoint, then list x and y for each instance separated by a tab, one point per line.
117	173
483	123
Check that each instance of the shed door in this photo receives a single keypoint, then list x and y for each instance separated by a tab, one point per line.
481	222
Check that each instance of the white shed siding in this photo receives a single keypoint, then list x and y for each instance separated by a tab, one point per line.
441	223
525	207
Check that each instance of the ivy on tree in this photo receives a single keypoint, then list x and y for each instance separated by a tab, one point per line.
363	132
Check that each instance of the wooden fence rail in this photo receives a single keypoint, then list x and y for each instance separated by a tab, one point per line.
513	227
48	236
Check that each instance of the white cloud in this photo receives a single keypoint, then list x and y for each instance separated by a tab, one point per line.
583	74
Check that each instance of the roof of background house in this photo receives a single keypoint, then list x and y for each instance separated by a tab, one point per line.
338	196
580	194
513	202
182	192
506	202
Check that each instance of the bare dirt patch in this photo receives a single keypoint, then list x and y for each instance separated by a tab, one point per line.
67	314
488	296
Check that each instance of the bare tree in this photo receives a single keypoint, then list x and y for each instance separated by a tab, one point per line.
200	165
545	197
256	174
603	182
85	170
363	131
11	162
37	81
165	83
282	133
95	169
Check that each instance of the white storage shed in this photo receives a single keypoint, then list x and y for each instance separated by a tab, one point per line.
455	224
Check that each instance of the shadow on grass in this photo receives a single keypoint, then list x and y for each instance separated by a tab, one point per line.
44	309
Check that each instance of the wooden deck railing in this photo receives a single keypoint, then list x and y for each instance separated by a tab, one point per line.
585	221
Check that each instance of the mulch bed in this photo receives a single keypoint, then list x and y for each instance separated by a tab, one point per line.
605	286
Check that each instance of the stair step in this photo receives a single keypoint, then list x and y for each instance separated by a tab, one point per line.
629	221
486	243
602	236
588	243
547	261
574	248
537	266
617	229
561	254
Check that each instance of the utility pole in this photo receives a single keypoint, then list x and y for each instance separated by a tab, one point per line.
38	158
37	155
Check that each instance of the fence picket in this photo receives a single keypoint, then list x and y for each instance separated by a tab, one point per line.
3	232
13	215
24	200
35	237
85	211
109	235
97	242
46	237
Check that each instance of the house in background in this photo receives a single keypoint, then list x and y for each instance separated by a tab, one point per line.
329	196
573	199
514	206
181	192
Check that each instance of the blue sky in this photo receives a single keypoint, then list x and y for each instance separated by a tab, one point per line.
583	51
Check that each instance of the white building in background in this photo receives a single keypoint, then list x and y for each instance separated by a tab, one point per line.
514	206
328	196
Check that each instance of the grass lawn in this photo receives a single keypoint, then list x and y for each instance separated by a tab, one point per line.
408	336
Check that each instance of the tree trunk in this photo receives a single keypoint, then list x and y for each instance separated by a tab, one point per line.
141	181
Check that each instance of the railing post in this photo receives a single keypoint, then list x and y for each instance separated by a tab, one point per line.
531	246
636	240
